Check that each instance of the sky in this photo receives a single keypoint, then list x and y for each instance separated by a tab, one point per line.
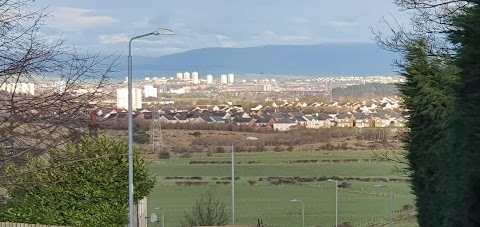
107	25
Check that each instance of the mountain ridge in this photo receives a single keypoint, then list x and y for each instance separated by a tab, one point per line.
307	60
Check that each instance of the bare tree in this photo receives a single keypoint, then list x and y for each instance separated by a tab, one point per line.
430	21
53	113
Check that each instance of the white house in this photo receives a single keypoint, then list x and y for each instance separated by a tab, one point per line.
283	124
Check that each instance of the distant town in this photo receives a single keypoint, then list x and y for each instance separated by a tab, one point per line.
277	104
274	104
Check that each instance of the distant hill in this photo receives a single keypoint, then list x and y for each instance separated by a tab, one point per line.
307	60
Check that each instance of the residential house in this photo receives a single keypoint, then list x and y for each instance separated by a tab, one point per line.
256	108
204	119
239	115
295	114
361	120
245	121
181	118
192	116
401	122
224	115
320	120
262	122
275	116
167	119
284	124
380	120
300	120
218	119
238	107
344	120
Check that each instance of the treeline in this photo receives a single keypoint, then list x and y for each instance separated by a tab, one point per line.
301	137
441	68
365	91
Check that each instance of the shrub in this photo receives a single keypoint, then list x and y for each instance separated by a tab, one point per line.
207	211
344	185
186	155
196	134
141	138
252	182
164	155
278	149
220	150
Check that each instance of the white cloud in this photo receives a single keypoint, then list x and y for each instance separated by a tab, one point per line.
115	38
342	24
77	18
284	38
224	41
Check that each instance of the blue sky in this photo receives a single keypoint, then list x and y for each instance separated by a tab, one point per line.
107	25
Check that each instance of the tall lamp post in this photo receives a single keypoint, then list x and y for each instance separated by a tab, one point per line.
160	31
336	200
163	216
303	210
391	203
233	174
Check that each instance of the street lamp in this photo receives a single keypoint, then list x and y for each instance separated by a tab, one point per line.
160	31
163	216
336	200
391	203
303	210
233	175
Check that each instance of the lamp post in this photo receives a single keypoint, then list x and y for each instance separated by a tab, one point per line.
303	210
336	200
160	31
163	216
391	203
233	175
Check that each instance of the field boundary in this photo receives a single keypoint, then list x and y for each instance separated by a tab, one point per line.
12	224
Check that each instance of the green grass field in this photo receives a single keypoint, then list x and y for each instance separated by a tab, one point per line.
359	203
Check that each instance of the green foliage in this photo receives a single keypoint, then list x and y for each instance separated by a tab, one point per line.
369	90
220	150
84	184
196	134
429	97
141	137
164	155
207	211
464	176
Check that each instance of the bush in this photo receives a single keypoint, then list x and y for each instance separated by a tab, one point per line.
252	182
186	155
278	149
260	148
220	150
196	134
141	138
344	185
164	155
207	211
